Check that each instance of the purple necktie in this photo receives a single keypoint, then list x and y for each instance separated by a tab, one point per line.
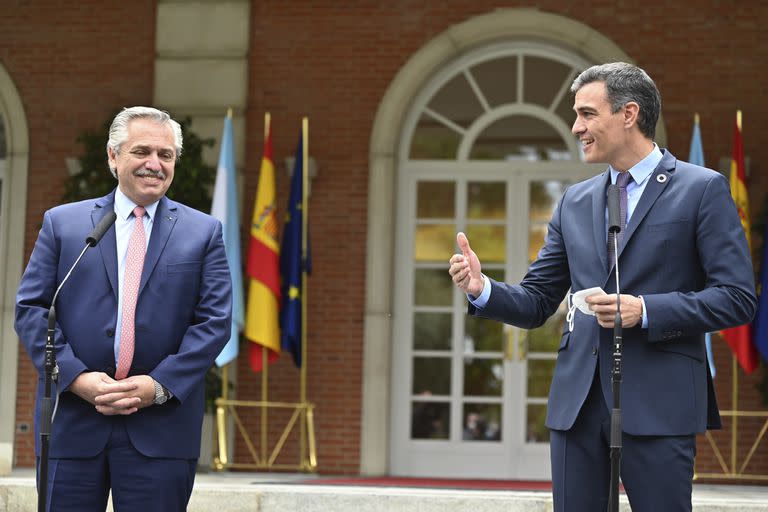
622	180
134	263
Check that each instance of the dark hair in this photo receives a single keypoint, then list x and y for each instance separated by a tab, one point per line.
624	83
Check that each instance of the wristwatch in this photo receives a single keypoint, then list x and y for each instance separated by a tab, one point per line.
161	394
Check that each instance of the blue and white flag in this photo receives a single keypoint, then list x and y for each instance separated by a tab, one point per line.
224	208
696	157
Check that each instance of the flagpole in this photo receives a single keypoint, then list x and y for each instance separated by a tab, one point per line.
735	377
304	298
221	423
264	399
264	361
225	369
221	411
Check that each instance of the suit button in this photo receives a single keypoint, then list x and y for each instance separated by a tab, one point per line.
110	332
594	351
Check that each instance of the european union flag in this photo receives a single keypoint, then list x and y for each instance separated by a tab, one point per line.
291	263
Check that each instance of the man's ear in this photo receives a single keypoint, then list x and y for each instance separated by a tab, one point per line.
631	112
111	158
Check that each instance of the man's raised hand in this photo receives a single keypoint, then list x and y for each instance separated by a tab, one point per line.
465	268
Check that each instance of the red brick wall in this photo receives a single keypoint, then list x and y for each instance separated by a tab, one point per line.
73	63
334	65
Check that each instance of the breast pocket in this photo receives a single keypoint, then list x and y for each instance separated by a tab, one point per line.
674	237
674	225
185	266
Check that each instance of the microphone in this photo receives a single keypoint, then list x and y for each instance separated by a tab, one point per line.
104	224
47	406
615	442
614	209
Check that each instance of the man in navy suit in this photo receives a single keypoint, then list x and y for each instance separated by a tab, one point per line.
131	369
684	269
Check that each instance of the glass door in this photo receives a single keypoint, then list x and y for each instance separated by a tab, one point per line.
470	394
487	150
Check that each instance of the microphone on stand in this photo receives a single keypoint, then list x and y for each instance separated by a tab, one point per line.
104	224
614	227
52	370
614	209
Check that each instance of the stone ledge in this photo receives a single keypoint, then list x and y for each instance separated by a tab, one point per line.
254	492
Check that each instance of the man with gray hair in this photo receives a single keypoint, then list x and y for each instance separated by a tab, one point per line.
685	270
138	325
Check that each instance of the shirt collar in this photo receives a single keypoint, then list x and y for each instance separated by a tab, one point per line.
124	206
642	169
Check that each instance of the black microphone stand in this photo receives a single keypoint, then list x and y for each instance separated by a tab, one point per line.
51	369
615	441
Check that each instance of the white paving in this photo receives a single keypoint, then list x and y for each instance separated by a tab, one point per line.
266	492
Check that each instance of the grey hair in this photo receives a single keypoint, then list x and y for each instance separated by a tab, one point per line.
118	130
624	83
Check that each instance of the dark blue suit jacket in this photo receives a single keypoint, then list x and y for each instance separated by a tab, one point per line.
685	252
183	317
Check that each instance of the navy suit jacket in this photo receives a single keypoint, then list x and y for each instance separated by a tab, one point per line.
183	317
684	251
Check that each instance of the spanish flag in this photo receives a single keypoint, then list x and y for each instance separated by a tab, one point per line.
740	338
263	267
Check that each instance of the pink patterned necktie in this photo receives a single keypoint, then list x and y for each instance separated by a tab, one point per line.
134	263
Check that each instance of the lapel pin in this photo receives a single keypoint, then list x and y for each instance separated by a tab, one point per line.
661	178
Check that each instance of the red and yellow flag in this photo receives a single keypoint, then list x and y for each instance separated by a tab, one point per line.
740	338
263	266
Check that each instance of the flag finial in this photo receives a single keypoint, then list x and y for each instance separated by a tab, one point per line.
738	119
229	112
696	118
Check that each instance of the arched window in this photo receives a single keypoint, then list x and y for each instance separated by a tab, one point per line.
472	134
506	102
487	149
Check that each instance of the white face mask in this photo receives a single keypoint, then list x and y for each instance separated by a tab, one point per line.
577	301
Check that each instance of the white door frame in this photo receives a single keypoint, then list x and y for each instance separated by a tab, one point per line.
386	134
13	213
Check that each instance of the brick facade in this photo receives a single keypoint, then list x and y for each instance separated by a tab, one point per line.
74	64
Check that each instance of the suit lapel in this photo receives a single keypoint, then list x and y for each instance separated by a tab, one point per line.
598	218
657	182
165	220
108	243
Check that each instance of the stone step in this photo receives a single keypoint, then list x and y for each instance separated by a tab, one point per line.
258	492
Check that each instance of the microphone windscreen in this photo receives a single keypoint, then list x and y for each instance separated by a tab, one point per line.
614	209
104	224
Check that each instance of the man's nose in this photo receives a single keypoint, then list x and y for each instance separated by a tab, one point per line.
153	162
577	127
